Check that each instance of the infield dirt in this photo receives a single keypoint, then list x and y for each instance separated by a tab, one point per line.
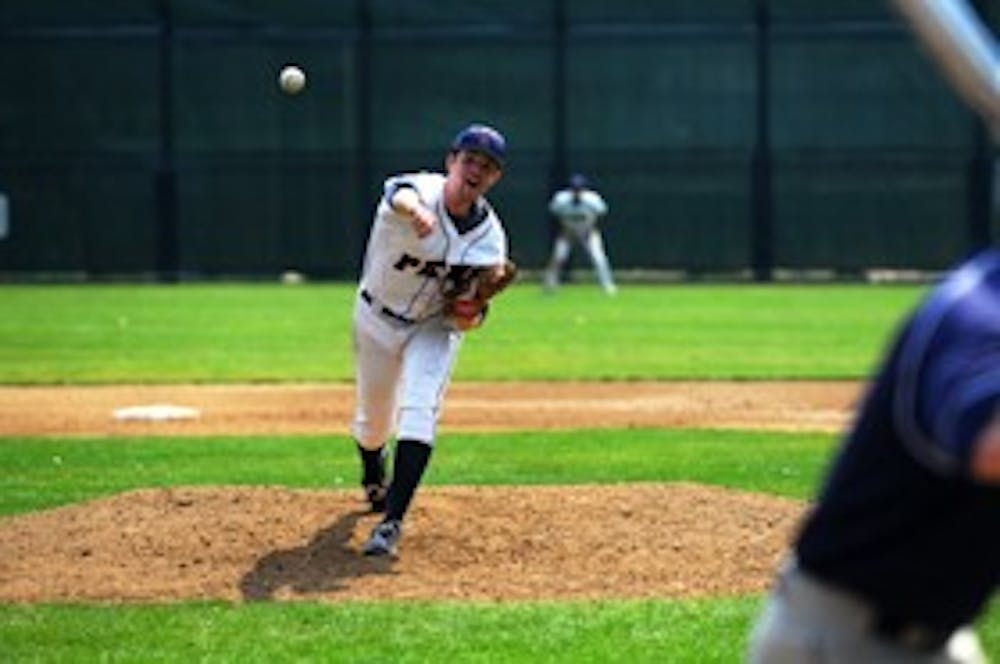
483	543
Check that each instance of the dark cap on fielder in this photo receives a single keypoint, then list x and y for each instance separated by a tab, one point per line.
483	139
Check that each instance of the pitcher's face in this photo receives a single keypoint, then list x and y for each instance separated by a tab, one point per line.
470	175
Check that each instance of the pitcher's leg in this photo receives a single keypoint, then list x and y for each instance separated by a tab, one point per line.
377	376
412	457
427	364
378	371
373	477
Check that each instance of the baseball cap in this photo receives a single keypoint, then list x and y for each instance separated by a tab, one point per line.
484	139
578	181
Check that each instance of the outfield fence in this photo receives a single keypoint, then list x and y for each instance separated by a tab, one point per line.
148	138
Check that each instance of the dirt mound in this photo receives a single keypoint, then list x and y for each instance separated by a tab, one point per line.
470	543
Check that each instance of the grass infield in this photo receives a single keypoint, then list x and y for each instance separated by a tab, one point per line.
38	473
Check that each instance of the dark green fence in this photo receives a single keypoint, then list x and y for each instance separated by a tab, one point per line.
729	136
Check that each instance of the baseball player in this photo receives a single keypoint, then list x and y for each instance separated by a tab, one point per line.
901	551
436	254
578	209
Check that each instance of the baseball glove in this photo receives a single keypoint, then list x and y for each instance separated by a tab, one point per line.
467	303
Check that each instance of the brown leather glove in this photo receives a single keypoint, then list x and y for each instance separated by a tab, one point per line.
467	310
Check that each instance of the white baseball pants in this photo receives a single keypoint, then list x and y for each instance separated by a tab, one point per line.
402	373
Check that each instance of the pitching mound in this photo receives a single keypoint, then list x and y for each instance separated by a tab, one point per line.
253	544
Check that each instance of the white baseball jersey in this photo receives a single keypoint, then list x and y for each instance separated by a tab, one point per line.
405	350
578	213
408	274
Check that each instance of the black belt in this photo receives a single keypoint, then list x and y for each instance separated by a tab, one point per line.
385	311
915	636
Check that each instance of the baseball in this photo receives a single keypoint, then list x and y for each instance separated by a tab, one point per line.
292	79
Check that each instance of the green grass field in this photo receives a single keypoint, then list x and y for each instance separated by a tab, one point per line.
232	333
229	333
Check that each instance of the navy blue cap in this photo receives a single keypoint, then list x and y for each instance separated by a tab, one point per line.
480	138
578	181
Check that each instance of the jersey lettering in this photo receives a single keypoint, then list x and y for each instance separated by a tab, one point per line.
406	261
422	268
431	269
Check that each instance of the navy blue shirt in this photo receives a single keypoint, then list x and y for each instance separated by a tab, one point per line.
900	520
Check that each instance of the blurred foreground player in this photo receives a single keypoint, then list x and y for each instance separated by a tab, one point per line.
901	552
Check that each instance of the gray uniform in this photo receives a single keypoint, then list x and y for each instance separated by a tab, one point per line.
579	210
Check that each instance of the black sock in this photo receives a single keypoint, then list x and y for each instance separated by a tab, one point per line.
411	460
372	465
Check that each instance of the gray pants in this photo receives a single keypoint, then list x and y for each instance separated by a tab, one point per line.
593	242
806	620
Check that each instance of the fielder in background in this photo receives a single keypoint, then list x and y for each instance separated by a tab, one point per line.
436	255
578	209
901	552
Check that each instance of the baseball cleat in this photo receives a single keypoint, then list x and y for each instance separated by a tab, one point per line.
376	495
384	539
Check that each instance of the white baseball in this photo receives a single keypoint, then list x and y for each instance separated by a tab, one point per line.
292	79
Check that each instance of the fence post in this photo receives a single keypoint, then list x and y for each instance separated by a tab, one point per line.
762	231
558	168
165	179
363	109
4	216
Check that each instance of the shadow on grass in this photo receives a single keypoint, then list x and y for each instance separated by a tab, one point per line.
320	566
